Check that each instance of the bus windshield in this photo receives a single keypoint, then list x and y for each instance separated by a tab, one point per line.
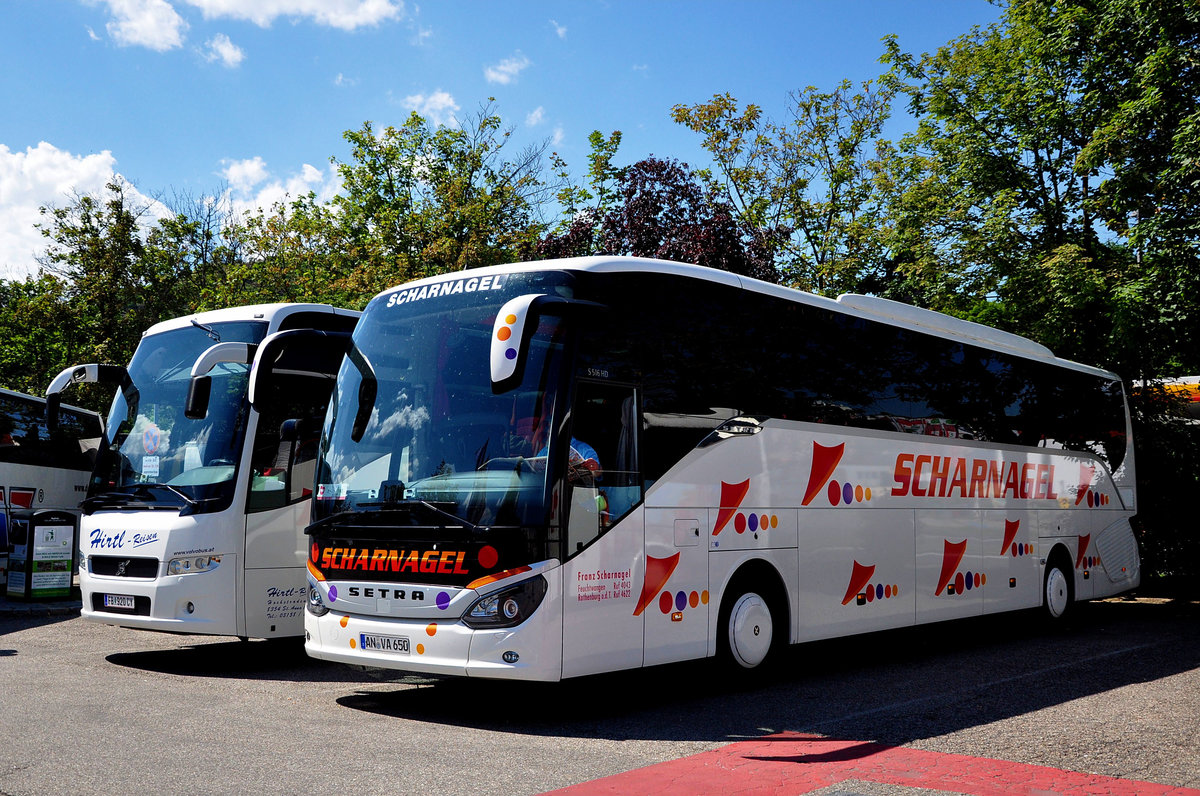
155	455
438	442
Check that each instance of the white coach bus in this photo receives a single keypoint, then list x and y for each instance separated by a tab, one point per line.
40	468
554	469
194	518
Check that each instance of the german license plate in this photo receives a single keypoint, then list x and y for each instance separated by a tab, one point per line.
374	642
119	601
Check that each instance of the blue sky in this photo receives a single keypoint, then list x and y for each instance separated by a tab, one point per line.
200	97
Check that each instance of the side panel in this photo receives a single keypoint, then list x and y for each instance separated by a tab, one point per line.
676	585
275	579
856	571
602	626
949	564
1011	560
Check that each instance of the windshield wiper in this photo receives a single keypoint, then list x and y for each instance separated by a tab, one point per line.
208	330
130	499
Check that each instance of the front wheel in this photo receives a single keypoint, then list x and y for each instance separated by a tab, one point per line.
1057	592
749	630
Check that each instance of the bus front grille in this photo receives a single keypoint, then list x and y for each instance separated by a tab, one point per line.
120	567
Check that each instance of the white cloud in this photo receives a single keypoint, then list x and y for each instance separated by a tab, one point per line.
536	116
438	107
507	70
243	175
561	30
44	176
252	186
342	80
341	14
220	48
146	23
558	136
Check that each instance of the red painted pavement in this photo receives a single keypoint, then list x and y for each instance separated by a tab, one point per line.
791	763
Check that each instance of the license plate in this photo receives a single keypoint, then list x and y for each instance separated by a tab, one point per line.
373	642
119	601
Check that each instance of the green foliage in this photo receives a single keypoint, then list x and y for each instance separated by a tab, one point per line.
419	201
806	187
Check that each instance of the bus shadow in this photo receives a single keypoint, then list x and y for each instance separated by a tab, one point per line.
893	687
275	659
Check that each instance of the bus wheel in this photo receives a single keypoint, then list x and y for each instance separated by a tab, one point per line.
748	629
1057	589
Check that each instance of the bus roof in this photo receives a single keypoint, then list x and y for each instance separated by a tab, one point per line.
892	313
250	312
41	400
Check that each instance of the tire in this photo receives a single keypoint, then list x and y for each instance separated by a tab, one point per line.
1058	590
749	629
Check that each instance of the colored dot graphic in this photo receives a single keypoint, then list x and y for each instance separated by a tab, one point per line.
488	556
1096	500
847	493
681	600
754	522
880	591
1020	549
333	594
345	621
966	582
443	600
504	333
431	629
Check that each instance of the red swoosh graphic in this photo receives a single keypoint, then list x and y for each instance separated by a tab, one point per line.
1010	533
1085	481
658	571
951	558
825	461
858	578
1084	541
731	499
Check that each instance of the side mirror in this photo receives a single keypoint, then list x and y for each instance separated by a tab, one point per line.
199	392
289	431
200	387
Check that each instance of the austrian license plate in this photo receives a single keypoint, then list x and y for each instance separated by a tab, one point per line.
119	601
374	642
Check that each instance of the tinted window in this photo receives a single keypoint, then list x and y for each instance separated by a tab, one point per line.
706	353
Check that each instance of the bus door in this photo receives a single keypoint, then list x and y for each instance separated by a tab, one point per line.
603	548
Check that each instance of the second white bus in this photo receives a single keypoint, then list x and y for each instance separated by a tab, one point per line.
193	519
569	467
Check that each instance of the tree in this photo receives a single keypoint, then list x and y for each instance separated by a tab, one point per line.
419	201
806	187
654	208
1050	189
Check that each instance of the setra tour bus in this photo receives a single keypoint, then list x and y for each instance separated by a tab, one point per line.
42	468
547	470
193	521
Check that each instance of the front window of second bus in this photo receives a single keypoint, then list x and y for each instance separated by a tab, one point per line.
438	435
156	455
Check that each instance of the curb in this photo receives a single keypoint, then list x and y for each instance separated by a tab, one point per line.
14	609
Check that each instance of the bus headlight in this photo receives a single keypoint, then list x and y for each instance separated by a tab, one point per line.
316	604
507	607
184	566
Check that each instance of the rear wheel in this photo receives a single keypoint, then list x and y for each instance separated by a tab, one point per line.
748	629
1057	591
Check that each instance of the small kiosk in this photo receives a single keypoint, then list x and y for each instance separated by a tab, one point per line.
43	551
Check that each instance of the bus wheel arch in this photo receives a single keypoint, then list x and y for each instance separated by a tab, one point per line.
753	623
1058	584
